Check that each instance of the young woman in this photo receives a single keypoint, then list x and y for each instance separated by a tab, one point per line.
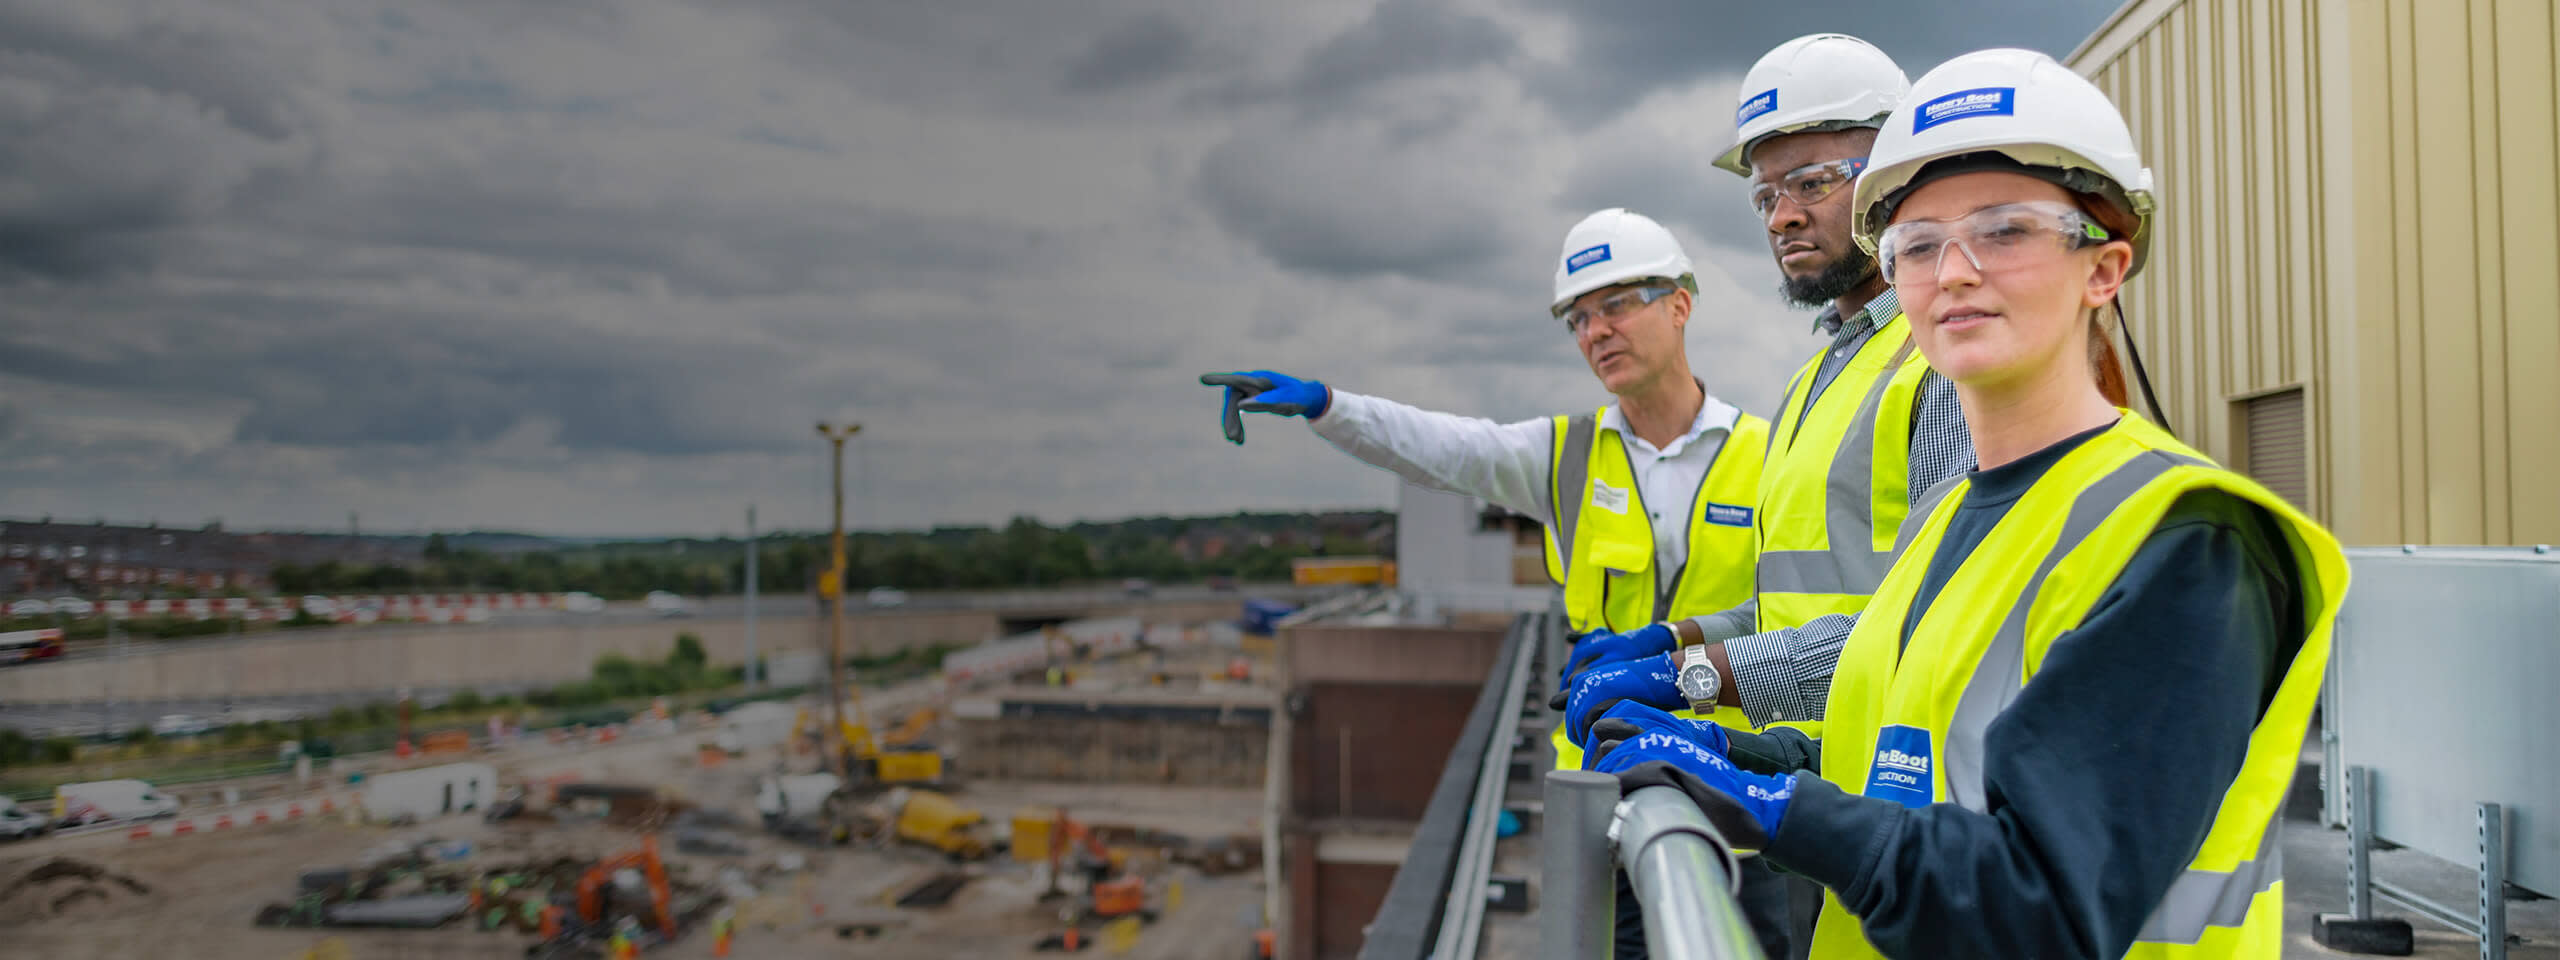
2068	721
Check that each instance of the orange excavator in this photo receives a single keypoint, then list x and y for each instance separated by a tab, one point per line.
1112	896
591	886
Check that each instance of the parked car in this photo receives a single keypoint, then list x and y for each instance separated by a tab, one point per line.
30	607
99	801
1137	588
180	725
582	602
666	604
18	824
885	597
319	606
74	606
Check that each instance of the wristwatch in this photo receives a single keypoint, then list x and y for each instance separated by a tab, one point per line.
1697	679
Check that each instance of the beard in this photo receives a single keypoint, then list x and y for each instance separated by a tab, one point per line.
1842	276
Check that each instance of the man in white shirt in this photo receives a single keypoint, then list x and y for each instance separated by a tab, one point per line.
1624	291
1658	492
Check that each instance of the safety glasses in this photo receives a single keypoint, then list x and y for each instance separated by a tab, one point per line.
1806	185
1992	239
1611	307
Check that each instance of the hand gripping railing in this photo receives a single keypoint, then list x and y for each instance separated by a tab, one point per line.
1681	869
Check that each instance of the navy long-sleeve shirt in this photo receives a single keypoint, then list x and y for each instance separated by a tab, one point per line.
2100	779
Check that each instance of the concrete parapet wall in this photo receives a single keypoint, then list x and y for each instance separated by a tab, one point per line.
498	654
1118	747
493	655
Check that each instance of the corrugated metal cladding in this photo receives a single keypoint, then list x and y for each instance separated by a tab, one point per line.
2360	199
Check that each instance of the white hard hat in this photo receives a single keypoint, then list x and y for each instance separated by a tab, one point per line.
2012	106
1617	246
1823	81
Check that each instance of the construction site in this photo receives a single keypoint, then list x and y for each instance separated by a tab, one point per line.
1091	786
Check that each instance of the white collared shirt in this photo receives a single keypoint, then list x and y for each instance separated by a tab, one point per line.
1506	464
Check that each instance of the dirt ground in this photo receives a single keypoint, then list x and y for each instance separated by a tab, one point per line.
205	888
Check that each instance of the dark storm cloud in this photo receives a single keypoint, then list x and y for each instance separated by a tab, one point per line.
1341	213
116	134
1401	38
1146	48
315	373
1623	49
594	265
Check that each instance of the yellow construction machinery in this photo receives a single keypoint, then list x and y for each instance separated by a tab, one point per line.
898	756
934	820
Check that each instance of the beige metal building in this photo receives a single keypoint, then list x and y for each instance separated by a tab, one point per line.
2355	289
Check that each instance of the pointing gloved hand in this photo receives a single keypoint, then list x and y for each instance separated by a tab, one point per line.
1262	391
1599	647
1629	720
1745	807
1647	680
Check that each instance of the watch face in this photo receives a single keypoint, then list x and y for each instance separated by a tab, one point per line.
1698	682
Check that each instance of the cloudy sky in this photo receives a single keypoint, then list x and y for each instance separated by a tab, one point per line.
595	266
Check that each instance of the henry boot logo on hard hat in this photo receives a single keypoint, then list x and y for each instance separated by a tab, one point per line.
1765	102
1616	246
1983	102
1822	81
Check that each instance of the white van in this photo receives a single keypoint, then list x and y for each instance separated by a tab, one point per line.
801	795
753	725
667	604
100	801
429	792
18	824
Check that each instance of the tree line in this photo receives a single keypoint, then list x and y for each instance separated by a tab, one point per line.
1022	553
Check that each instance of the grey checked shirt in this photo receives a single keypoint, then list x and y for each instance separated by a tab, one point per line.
1785	674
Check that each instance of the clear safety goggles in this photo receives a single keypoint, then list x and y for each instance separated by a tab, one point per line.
1992	238
1613	306
1806	185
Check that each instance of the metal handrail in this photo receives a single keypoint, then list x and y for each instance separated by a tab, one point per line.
1680	868
1409	922
1460	933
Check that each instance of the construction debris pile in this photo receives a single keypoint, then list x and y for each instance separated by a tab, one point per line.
63	884
569	901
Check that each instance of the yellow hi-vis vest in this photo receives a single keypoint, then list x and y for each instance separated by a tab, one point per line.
1838	482
1897	720
1609	576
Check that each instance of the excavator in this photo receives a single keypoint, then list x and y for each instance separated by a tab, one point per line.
592	884
1112	890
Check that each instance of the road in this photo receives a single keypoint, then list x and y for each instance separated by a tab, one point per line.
732	607
42	716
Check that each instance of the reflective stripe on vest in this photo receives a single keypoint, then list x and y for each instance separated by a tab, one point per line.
2108	495
1605	560
1806	568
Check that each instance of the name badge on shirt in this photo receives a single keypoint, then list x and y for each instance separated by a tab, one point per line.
1608	498
1901	769
1726	514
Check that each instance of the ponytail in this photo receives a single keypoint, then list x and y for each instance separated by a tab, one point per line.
2103	362
2102	342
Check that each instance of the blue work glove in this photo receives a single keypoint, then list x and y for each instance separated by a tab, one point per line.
1600	646
1745	807
1262	391
1629	720
1646	680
